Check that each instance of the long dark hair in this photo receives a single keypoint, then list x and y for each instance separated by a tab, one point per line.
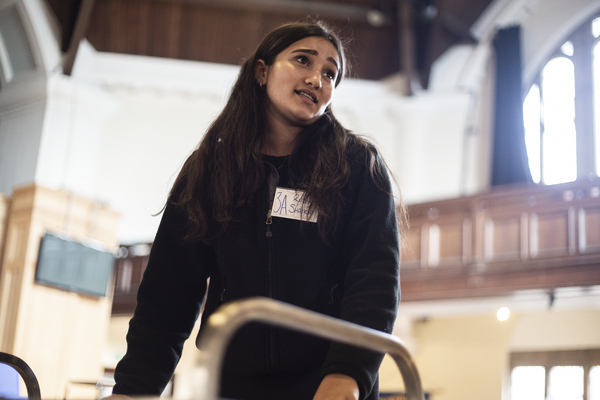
227	168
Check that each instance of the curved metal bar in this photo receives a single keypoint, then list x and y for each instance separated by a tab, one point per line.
229	318
31	382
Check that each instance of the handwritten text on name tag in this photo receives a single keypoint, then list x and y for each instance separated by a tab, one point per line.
292	204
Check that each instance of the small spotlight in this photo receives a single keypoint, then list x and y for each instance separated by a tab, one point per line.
375	18
430	12
503	314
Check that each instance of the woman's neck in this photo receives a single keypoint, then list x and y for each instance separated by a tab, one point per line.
280	142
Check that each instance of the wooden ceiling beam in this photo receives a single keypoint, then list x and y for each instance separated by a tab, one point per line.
302	8
407	46
83	18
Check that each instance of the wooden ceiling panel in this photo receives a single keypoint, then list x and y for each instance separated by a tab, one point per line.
227	31
186	30
223	36
376	51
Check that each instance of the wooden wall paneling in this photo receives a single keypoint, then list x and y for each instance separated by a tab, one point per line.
433	245
468	230
445	287
484	284
440	236
502	237
214	28
129	271
4	212
142	33
164	30
411	250
452	242
207	32
373	51
589	229
477	239
424	261
523	237
121	25
551	233
525	244
228	33
195	24
443	242
139	31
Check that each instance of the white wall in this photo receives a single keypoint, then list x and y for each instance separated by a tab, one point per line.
163	107
20	135
71	136
557	330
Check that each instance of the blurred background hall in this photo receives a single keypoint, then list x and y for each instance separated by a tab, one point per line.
486	111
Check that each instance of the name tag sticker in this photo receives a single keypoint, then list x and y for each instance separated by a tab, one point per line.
292	204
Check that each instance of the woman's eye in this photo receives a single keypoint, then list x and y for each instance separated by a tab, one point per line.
330	75
302	60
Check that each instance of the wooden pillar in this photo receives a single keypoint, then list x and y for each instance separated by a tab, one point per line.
60	334
407	46
4	209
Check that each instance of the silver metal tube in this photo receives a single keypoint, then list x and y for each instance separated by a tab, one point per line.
229	318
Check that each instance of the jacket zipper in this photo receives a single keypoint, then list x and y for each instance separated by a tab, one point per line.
269	222
269	235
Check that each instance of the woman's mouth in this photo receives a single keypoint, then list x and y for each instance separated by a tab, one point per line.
307	95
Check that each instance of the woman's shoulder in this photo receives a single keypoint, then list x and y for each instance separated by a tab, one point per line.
366	163
361	152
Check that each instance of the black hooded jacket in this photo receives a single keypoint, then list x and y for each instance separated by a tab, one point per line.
354	276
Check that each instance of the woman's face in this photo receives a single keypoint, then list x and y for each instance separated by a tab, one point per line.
300	83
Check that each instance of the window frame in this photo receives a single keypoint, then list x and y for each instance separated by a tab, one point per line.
587	358
15	79
583	45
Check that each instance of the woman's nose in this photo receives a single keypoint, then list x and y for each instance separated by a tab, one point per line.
314	79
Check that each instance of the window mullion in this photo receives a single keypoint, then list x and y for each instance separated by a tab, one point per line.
538	81
547	368
584	101
586	380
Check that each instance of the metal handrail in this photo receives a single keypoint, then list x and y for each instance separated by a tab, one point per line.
31	382
223	323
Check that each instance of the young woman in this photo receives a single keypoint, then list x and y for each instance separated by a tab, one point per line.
279	200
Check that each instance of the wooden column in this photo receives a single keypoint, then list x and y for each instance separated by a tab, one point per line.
60	334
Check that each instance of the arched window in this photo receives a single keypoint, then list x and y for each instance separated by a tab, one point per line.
562	110
16	55
596	78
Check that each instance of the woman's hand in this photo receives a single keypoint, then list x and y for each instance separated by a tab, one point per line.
337	387
117	397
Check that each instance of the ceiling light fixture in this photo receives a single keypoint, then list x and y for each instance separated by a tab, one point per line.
375	18
503	314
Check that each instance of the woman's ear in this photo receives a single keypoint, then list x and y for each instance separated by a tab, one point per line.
260	72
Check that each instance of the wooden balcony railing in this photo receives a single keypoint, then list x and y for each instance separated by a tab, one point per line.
513	238
129	269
